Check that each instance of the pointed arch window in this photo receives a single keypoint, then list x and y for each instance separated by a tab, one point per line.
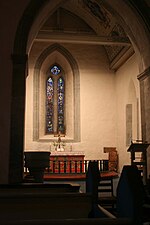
55	101
61	104
49	105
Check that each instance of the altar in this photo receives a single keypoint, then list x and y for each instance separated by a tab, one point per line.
67	162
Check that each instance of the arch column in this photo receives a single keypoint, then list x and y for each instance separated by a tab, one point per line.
144	79
17	119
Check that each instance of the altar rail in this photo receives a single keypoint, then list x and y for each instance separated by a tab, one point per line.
74	166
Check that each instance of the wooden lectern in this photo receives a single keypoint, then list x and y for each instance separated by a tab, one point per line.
141	163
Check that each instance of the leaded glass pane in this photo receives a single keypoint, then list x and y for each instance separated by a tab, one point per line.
49	105
61	101
55	70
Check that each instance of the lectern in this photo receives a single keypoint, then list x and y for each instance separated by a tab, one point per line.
141	163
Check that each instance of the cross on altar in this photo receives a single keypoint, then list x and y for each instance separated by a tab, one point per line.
59	145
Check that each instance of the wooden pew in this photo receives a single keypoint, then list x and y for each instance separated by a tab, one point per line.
25	205
86	221
42	205
39	188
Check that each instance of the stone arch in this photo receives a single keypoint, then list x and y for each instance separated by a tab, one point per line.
126	12
19	60
32	17
76	78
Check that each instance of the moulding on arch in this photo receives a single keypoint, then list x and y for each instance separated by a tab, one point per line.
146	73
76	75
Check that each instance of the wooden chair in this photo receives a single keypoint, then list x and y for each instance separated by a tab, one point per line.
100	186
106	197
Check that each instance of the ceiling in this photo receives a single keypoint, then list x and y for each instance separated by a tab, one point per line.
88	22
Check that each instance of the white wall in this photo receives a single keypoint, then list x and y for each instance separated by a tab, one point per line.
98	104
127	92
103	98
97	98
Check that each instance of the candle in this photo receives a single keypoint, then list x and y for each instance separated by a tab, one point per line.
71	147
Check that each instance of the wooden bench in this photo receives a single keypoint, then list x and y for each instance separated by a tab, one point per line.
39	205
87	221
39	187
33	205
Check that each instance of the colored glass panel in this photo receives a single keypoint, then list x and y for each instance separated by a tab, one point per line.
49	105
61	102
55	70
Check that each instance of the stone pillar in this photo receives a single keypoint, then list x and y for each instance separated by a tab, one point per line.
16	160
144	79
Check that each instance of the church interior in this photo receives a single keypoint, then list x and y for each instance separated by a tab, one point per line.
77	74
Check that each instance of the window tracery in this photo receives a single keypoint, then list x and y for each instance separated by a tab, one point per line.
55	101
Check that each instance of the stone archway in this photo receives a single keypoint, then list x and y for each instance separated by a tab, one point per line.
76	77
20	59
27	28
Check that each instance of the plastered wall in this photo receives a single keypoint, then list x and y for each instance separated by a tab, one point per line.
104	95
127	92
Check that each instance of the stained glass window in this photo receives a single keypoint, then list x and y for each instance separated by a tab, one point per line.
55	70
61	99
55	101
49	105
